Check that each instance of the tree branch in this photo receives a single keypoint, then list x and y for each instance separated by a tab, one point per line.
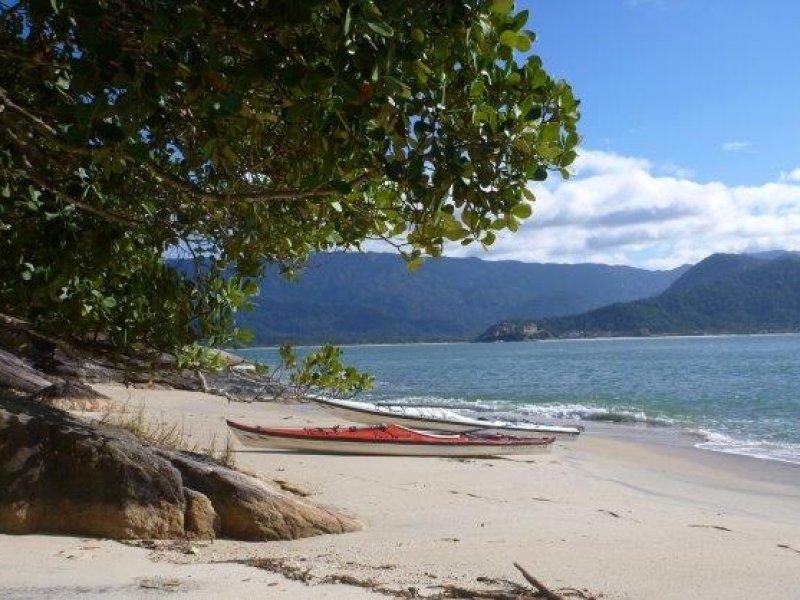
107	215
20	326
29	115
186	186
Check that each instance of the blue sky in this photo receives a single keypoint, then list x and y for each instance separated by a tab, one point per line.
690	128
707	86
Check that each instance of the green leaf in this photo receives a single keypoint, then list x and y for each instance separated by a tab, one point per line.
522	210
33	195
540	174
380	28
509	38
452	229
477	89
348	20
522	43
318	80
502	7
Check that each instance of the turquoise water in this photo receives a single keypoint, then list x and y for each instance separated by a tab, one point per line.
740	394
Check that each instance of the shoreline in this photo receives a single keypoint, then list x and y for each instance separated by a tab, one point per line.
683	444
683	441
738	432
550	340
609	513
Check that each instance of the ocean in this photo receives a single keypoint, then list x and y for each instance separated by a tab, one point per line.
735	394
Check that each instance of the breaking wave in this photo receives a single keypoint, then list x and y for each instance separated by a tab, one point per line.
720	442
581	412
538	412
555	412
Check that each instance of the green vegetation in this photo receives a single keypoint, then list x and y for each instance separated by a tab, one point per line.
721	294
370	297
251	133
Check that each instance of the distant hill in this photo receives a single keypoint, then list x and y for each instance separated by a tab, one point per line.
771	254
372	297
721	294
715	268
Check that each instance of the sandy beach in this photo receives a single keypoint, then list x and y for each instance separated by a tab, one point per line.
621	513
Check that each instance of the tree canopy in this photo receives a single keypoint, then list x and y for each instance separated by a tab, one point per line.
250	132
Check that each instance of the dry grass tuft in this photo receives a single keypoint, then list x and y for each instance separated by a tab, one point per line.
165	433
156	432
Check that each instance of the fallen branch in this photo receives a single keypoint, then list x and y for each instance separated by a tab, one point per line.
458	592
541	590
509	591
210	390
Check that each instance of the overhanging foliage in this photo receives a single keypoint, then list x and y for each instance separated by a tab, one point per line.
252	132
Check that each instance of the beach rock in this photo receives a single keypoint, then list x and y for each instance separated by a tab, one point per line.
201	521
60	475
16	374
249	509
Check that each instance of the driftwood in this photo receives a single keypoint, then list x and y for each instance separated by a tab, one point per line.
540	588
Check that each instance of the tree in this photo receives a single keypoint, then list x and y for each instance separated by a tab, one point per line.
250	132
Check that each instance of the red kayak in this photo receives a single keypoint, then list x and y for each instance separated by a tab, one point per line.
391	440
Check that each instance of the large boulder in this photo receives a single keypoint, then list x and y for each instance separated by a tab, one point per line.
61	475
201	520
249	509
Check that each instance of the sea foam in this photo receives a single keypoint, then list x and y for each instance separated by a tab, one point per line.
720	442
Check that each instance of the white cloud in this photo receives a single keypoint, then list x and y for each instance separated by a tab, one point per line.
675	170
735	146
623	210
792	176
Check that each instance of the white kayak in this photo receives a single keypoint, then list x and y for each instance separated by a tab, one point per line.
435	418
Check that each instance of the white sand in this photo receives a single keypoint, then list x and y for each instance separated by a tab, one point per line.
621	518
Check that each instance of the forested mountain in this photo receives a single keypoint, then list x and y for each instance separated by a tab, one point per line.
721	294
372	297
